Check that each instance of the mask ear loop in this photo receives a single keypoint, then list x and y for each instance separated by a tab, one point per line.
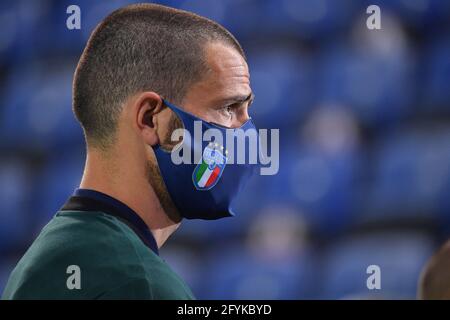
158	145
175	110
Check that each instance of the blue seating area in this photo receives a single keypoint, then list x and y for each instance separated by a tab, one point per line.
35	96
14	205
401	260
437	73
364	119
411	175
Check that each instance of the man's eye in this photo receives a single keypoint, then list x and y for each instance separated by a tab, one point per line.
229	109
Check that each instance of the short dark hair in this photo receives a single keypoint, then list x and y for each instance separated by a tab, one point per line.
136	48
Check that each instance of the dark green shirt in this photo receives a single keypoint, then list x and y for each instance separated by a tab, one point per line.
111	259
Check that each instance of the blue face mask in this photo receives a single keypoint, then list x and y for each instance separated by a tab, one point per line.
204	190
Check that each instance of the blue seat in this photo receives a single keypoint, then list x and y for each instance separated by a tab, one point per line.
306	19
242	18
92	12
400	255
437	76
282	82
272	261
22	18
15	189
8	43
352	78
234	273
38	113
323	187
422	15
411	171
58	179
212	10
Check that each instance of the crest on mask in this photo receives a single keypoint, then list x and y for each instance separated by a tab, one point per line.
208	172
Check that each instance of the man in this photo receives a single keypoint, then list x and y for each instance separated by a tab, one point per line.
146	71
434	282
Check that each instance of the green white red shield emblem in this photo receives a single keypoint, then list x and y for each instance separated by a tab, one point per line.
209	170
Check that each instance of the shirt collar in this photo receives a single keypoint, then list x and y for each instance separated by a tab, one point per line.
91	200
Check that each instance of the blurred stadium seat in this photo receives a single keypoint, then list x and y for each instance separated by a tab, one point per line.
400	255
14	203
424	15
318	20
240	276
37	112
436	96
276	262
21	18
282	84
55	182
354	78
412	170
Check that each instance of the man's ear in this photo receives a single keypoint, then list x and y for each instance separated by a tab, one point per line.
148	106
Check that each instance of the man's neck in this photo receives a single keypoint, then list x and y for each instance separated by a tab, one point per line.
129	185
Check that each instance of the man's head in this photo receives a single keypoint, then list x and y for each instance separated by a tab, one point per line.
141	54
434	282
187	59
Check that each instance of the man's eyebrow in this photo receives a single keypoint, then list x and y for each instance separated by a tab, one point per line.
239	99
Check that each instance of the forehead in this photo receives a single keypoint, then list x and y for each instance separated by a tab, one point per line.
227	75
228	70
226	64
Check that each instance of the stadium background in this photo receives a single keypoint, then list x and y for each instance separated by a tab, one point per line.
365	144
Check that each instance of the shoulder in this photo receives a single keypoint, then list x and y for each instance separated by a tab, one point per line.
104	251
92	237
111	260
